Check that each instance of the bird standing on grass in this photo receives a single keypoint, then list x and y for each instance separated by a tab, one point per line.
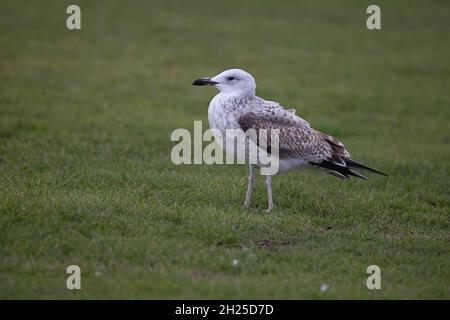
300	147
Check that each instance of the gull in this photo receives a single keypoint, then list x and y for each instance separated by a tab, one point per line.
236	106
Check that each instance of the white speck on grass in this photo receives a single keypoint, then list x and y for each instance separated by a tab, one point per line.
98	273
235	263
324	287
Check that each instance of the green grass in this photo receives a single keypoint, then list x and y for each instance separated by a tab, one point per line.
86	176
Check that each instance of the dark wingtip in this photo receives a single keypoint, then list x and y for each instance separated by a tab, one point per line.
354	164
339	170
356	174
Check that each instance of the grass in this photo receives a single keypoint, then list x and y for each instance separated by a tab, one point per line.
86	176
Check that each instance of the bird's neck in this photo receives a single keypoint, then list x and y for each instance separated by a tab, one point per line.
236	98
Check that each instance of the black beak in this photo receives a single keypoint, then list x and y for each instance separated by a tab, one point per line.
204	82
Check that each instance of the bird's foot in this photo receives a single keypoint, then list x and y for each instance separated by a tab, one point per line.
246	205
269	209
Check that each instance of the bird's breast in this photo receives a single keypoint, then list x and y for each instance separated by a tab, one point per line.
223	114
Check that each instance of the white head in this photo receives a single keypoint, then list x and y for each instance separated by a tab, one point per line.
235	81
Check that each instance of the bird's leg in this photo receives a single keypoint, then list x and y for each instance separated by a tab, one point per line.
269	193
248	194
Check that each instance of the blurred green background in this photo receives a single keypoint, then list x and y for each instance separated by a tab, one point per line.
86	176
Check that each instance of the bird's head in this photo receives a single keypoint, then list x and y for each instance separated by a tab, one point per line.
234	81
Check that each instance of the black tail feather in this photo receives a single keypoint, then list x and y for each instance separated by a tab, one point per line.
345	171
356	174
354	164
338	170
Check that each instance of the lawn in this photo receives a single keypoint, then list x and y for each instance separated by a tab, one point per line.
86	176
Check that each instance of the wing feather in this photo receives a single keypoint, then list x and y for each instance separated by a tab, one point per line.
297	140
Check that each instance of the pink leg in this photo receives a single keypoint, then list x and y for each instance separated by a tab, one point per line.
269	193
248	194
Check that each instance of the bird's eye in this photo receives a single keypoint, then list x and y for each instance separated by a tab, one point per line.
230	78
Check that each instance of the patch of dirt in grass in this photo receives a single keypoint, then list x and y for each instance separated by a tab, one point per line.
271	245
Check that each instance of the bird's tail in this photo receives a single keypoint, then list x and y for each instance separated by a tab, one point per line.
356	165
345	171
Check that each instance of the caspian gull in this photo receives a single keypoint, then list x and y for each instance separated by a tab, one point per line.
237	107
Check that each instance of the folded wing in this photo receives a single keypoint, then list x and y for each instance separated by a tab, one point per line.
297	140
